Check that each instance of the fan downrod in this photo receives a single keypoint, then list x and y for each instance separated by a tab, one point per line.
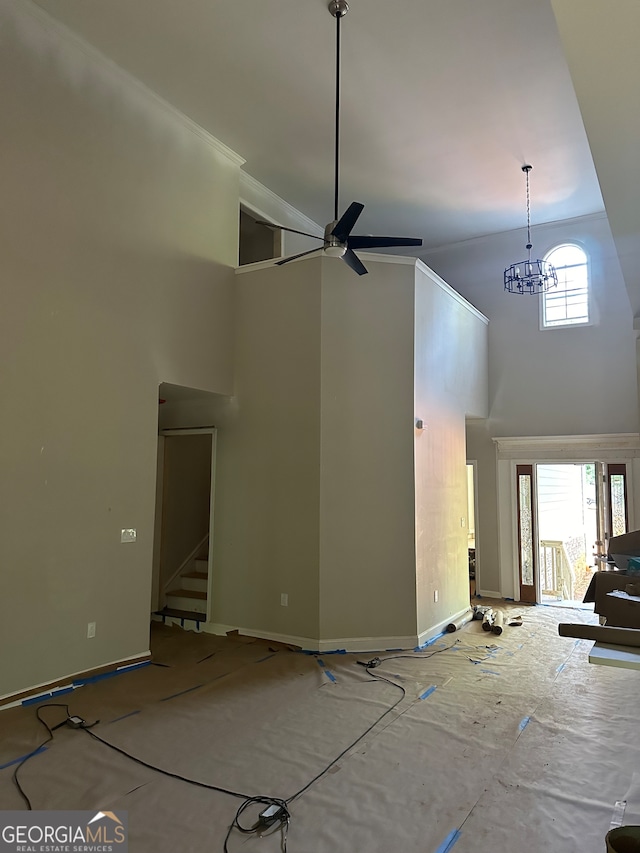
338	8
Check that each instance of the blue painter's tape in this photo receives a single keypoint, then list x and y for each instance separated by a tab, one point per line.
62	691
267	657
561	667
429	642
181	693
33	700
91	679
330	675
524	723
123	717
427	692
449	841
336	652
490	671
394	650
24	757
320	661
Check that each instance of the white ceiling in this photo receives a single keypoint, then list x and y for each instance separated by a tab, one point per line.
442	102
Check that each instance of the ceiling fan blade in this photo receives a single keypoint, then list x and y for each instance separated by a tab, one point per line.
282	228
301	255
365	242
351	259
346	222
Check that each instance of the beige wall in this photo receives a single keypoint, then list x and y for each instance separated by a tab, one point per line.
118	231
367	550
450	381
316	491
563	381
268	457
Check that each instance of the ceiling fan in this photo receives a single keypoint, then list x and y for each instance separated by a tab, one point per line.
338	241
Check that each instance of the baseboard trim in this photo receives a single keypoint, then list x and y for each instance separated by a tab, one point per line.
286	639
335	644
487	593
66	684
367	644
431	634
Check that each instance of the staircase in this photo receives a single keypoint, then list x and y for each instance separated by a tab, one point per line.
186	599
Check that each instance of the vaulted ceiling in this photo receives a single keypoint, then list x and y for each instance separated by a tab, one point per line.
442	103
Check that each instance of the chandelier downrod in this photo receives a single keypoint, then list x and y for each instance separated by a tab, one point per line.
538	276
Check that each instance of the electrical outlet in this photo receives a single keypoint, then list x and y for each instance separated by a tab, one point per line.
284	599
435	596
91	630
462	521
128	534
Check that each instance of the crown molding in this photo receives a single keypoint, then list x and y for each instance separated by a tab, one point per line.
605	441
72	41
259	198
373	258
442	284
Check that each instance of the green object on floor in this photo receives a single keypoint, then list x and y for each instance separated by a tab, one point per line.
623	839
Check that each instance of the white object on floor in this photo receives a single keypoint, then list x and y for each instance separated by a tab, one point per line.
627	657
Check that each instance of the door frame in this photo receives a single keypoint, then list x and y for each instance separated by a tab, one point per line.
531	450
474	465
157	534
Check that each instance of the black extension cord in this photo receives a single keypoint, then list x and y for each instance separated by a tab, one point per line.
276	814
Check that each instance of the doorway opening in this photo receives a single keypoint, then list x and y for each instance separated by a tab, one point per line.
257	242
183	537
567	530
566	514
471	527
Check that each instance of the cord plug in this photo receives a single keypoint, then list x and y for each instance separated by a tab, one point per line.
271	814
370	664
78	723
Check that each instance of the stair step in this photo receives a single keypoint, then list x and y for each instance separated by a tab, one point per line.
182	614
200	575
188	593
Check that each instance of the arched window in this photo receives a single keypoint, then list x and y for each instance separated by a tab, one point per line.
568	303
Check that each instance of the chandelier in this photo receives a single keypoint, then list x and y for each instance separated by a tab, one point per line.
530	276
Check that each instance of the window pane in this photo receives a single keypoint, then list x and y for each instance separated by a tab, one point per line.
617	497
526	530
565	256
568	303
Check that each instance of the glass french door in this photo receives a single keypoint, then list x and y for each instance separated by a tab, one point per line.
527	536
617	515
